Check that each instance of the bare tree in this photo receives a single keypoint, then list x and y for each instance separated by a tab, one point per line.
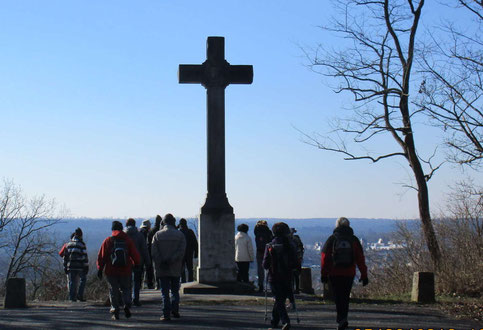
376	67
452	91
25	243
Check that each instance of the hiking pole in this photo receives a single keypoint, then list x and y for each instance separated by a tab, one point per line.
266	281
296	311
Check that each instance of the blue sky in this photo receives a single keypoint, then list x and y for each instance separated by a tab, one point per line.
91	112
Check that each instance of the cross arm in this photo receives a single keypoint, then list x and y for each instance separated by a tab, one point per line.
190	73
240	74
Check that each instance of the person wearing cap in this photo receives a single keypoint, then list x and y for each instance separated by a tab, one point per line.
148	266
76	265
263	235
341	253
119	276
141	246
190	252
168	250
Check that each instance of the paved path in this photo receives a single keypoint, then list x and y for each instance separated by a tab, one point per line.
223	312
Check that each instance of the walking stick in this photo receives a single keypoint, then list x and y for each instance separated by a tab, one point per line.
266	281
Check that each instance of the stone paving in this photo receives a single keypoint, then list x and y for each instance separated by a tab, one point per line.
225	312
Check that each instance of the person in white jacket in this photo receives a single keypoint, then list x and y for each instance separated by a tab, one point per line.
244	253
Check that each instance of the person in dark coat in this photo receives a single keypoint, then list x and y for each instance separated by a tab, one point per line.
142	248
300	256
263	235
148	267
341	253
280	259
151	233
76	265
191	250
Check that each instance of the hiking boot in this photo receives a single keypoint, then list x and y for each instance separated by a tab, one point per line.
175	314
127	312
136	303
115	315
165	318
274	324
286	326
81	299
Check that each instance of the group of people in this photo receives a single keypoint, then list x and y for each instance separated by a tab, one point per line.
244	252
128	253
280	253
159	256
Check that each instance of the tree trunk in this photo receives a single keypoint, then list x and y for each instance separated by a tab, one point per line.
423	202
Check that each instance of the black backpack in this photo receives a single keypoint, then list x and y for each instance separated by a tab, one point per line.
342	251
119	253
280	267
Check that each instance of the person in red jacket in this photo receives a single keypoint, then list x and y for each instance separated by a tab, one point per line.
117	256
340	255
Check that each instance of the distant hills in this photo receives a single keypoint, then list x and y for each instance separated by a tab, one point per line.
310	230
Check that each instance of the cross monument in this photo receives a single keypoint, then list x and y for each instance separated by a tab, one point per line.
216	230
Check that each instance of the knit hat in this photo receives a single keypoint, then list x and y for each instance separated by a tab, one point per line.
146	224
78	232
116	225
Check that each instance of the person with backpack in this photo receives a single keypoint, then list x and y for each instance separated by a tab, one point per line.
341	253
263	235
280	259
190	252
141	246
116	258
76	265
168	250
243	253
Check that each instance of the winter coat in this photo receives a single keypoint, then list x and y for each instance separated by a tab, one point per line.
168	248
287	252
243	247
327	267
263	235
104	255
140	243
191	243
75	255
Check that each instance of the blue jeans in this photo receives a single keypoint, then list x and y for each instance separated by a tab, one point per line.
170	283
75	276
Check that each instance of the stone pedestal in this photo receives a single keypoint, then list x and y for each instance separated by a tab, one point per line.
216	271
306	280
15	296
423	287
216	256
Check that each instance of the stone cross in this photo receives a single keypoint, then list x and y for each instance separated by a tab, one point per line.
216	230
215	74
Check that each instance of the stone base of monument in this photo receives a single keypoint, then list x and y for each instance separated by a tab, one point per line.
15	295
423	287
234	288
306	280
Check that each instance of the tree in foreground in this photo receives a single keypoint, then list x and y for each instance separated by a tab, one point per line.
376	67
452	91
26	245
